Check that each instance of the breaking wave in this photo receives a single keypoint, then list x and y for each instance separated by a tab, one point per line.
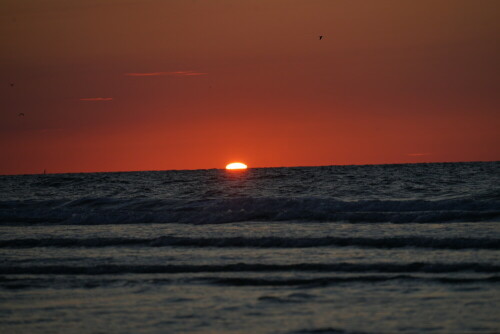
213	211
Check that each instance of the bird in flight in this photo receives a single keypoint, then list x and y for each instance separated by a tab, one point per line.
21	114
320	37
11	84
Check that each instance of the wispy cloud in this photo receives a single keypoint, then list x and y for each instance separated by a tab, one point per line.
157	74
417	154
97	99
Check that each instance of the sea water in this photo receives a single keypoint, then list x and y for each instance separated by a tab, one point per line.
339	249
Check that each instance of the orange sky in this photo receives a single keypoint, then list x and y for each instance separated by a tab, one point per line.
117	85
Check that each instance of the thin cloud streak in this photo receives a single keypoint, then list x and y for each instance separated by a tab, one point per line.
157	74
97	99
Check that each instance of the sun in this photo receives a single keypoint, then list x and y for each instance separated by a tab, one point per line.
236	165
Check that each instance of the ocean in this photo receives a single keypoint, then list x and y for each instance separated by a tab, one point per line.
408	248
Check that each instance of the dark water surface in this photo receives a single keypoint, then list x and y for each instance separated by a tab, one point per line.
338	249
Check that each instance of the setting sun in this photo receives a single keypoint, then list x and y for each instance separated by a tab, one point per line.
236	165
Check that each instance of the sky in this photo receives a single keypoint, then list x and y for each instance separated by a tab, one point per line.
123	85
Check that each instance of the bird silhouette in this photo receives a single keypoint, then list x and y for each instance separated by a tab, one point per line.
21	114
11	84
320	37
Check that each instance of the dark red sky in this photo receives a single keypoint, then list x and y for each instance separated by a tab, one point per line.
116	85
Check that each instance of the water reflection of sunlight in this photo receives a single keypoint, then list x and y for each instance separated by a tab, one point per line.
237	174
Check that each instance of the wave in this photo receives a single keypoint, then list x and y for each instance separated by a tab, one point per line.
211	211
91	282
456	243
416	267
325	281
326	330
310	282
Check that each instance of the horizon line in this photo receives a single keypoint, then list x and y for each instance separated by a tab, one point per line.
259	167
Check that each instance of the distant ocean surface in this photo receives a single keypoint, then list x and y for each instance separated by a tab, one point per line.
339	249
